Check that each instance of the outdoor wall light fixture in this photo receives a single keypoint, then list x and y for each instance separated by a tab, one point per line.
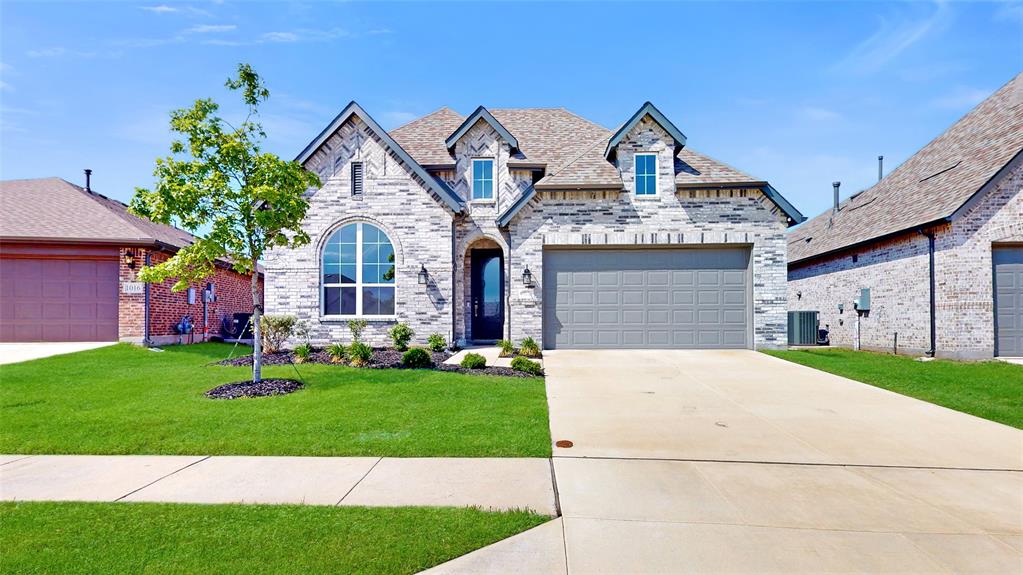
129	259
423	275
527	278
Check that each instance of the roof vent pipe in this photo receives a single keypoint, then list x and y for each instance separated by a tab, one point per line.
88	180
880	167
836	185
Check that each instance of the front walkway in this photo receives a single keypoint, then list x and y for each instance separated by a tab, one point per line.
737	462
17	352
490	483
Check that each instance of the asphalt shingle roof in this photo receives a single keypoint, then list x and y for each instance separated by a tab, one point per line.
569	146
929	186
55	209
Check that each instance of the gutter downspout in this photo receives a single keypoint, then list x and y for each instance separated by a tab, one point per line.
930	265
145	335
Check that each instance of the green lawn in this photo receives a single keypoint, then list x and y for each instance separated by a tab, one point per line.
174	538
989	389
126	399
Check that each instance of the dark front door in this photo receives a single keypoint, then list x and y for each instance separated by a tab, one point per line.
487	294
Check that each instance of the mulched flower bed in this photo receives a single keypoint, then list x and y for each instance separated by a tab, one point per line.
383	358
264	388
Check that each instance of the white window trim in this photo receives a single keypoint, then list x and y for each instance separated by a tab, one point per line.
358	285
472	181
635	175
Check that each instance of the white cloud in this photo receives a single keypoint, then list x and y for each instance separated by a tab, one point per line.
160	9
5	67
279	37
1010	11
210	28
961	98
60	51
5	87
892	37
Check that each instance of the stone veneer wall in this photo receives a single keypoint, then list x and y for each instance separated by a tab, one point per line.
896	271
394	200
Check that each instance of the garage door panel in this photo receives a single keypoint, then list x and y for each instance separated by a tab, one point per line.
657	298
1008	295
46	299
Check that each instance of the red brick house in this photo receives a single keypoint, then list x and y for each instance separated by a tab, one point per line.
69	260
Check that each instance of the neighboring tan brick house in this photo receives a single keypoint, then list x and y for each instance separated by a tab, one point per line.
69	260
959	199
534	223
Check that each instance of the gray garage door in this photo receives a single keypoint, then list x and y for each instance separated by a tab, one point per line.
646	298
1009	301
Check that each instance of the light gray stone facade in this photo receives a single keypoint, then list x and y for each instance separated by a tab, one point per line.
419	228
426	234
897	272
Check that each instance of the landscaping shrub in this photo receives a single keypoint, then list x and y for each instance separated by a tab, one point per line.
417	358
529	348
302	352
337	352
526	365
436	342
360	354
357	326
507	347
276	329
473	361
401	334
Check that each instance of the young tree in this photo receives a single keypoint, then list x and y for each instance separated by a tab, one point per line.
217	178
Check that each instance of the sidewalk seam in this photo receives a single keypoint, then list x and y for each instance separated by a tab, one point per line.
162	478
352	488
554	486
808	463
14	460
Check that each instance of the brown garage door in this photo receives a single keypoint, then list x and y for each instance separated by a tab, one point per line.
58	300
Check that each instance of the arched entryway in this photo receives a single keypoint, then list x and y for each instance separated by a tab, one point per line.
484	282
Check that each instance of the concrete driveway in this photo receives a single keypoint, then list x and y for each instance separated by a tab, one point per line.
737	462
18	352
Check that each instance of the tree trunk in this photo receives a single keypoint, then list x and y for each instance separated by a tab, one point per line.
257	339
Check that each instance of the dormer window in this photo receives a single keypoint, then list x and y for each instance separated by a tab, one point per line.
646	174
483	179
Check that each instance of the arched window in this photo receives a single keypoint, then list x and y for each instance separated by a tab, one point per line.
358	273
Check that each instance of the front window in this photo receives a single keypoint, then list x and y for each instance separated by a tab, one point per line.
358	272
482	179
646	174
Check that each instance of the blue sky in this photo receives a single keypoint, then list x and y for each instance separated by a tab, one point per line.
800	94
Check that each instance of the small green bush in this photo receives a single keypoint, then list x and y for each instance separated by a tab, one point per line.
436	342
302	352
417	358
275	330
473	361
359	354
401	334
337	352
507	347
526	365
357	326
529	348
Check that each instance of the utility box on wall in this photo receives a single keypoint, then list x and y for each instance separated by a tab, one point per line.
862	303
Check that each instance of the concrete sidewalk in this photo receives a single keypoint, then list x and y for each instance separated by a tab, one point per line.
489	483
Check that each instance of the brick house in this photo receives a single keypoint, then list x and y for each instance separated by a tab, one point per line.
938	242
69	260
534	222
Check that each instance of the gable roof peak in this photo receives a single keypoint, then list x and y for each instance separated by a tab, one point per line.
435	185
482	113
647	109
